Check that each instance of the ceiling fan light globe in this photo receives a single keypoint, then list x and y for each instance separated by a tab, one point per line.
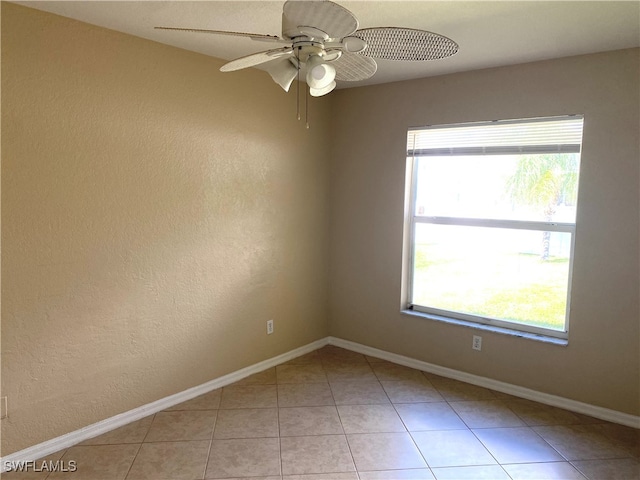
283	73
320	75
318	92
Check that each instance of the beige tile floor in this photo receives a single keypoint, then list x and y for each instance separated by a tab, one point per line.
338	415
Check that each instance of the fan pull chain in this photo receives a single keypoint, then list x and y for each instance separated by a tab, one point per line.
298	86
306	98
306	107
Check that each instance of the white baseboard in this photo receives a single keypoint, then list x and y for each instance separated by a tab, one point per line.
545	398
65	441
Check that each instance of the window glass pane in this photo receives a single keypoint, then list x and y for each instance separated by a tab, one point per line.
520	276
508	187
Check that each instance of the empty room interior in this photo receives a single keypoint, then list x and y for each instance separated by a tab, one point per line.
212	274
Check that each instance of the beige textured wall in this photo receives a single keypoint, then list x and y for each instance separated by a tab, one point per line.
155	213
601	365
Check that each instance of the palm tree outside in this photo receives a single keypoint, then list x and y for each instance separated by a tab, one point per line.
545	181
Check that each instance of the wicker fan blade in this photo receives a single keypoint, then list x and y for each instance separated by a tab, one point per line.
331	18
395	43
255	59
252	36
351	67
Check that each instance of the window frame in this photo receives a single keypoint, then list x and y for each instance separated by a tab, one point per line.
412	219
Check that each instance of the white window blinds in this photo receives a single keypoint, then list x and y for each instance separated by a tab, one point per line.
508	137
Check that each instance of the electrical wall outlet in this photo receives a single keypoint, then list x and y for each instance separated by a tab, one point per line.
269	327
3	407
477	342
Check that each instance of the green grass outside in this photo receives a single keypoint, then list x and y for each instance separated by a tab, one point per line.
517	287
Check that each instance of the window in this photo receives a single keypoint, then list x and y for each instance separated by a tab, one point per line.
492	222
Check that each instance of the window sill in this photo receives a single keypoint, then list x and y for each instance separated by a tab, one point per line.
489	328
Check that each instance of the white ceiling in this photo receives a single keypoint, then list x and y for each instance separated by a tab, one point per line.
489	33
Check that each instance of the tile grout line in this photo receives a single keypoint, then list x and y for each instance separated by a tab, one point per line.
344	433
278	423
206	463
213	431
413	441
134	460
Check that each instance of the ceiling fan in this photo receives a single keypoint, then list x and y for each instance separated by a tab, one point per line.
323	38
